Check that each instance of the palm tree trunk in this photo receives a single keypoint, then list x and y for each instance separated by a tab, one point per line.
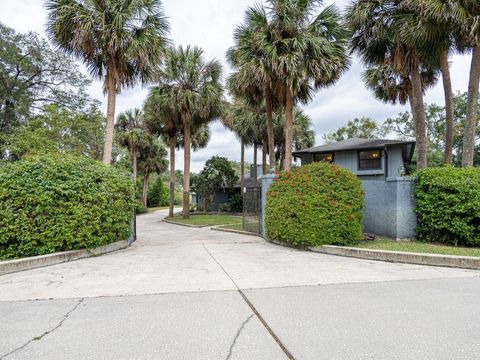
447	89
418	112
472	105
288	129
270	137
264	156
186	165
145	189
171	141
112	96
134	165
255	163
242	167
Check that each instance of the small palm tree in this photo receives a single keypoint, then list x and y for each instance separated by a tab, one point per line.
119	41
194	91
132	135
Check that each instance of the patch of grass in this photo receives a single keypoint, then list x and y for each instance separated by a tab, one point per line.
153	209
418	247
207	220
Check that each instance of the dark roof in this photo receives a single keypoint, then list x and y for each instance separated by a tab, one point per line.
353	144
249	182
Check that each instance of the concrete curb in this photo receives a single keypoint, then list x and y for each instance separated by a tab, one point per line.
186	225
219	228
12	266
463	262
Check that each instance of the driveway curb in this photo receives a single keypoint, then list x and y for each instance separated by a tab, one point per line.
12	266
186	225
462	262
240	232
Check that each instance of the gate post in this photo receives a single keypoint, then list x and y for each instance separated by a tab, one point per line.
266	181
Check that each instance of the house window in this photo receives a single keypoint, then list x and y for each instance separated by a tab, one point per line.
370	160
327	157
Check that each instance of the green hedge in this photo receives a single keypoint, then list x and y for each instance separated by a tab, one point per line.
314	205
448	205
58	203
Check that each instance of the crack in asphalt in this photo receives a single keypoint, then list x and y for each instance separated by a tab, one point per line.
252	307
237	335
40	337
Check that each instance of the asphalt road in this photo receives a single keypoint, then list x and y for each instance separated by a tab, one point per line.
183	293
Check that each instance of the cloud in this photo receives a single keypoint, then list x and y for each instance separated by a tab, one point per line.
210	24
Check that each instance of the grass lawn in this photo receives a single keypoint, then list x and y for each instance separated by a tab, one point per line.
207	220
238	226
418	247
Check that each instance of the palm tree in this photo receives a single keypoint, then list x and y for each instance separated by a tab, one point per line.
152	160
119	41
131	134
379	36
308	52
195	92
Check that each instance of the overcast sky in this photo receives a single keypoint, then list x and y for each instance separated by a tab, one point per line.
210	24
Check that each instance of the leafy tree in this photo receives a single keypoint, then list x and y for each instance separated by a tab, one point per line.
131	134
217	174
364	127
193	91
152	160
57	129
158	194
119	41
32	75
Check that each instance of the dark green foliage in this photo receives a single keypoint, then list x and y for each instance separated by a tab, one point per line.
235	203
448	205
59	203
158	194
317	204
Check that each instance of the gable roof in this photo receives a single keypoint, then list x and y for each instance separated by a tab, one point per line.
353	144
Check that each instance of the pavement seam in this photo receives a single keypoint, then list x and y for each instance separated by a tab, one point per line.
237	335
252	307
40	337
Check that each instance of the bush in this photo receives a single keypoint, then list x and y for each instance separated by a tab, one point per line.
317	204
59	203
448	205
158	194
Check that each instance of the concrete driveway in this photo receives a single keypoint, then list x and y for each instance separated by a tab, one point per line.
184	293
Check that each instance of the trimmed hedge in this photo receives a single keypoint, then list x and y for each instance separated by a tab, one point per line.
317	204
448	205
59	203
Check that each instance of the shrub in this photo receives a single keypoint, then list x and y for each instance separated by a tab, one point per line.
448	205
158	194
58	203
313	205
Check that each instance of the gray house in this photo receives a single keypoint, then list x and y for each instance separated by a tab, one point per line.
370	159
389	207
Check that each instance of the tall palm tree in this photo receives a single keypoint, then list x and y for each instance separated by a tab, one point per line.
308	52
195	92
132	135
120	42
379	37
254	78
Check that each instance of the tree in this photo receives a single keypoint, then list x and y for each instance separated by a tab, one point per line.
217	174
364	128
33	75
131	134
57	129
152	160
308	52
194	91
380	30
119	41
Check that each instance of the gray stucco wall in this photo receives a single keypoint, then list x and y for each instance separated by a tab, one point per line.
266	181
389	207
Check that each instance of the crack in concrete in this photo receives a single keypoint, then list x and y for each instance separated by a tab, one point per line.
287	353
237	335
40	337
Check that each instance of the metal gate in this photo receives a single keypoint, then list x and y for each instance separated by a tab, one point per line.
252	210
